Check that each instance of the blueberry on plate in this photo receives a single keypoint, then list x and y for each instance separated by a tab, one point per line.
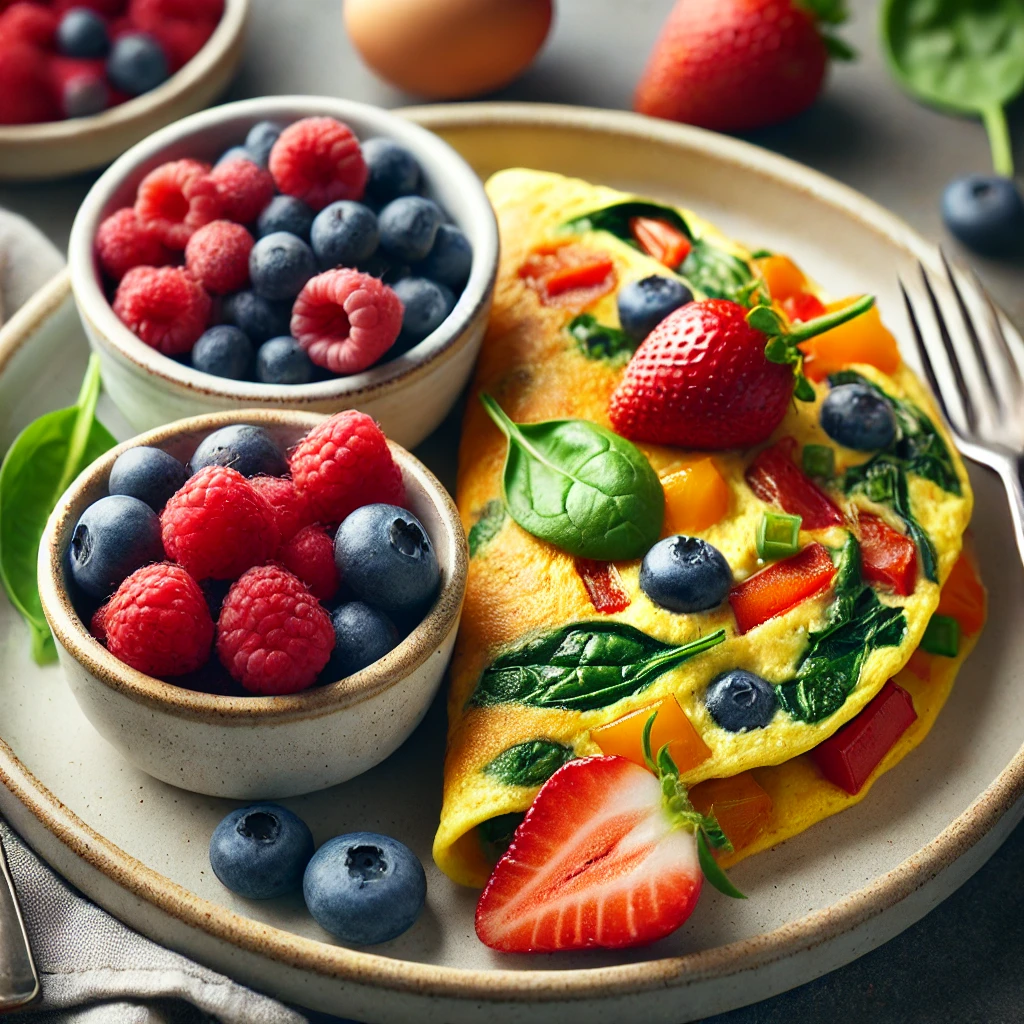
279	265
362	635
344	234
858	417
235	153
224	351
392	171
261	851
408	227
115	536
386	559
82	33
257	318
645	303
137	63
84	95
449	260
685	574
986	213
149	474
739	700
249	449
285	213
283	361
426	306
364	888
260	141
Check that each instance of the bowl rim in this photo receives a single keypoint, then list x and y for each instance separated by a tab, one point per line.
451	335
415	649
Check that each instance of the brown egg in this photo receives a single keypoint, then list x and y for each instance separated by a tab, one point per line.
448	49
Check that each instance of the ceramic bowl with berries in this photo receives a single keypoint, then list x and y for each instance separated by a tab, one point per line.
303	253
255	604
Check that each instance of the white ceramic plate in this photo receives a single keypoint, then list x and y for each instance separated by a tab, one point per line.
139	847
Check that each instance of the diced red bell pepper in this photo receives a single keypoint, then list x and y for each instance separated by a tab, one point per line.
887	557
963	596
582	275
604	585
569	275
849	756
781	586
668	245
803	307
776	479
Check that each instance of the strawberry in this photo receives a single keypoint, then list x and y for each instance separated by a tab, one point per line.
715	375
733	65
609	855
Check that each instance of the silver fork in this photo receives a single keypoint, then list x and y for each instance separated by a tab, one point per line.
973	365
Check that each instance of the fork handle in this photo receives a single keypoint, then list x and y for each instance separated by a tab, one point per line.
1010	469
19	982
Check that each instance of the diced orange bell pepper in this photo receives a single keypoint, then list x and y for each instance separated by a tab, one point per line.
781	586
963	596
865	339
668	245
696	497
782	277
603	584
742	807
887	557
624	736
803	307
777	480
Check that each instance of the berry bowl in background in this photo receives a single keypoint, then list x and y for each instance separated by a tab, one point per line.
408	395
53	149
253	747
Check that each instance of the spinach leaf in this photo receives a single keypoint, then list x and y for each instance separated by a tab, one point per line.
716	273
615	219
496	834
529	764
582	666
487	526
597	341
38	468
580	487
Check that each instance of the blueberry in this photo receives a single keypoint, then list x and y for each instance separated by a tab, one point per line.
82	33
149	474
393	171
344	234
858	417
235	153
137	63
279	265
283	361
645	303
685	574
224	351
386	559
285	213
426	304
260	141
408	227
257	318
986	213
450	259
362	635
114	537
739	700
84	95
261	851
250	450
364	888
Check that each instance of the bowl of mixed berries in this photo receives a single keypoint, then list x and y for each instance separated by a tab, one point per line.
300	252
258	604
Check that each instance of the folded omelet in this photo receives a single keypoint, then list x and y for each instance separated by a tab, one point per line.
550	358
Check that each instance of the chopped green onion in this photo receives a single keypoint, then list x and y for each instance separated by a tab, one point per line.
778	535
819	460
942	636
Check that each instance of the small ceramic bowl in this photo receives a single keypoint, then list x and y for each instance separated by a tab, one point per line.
255	747
408	395
54	149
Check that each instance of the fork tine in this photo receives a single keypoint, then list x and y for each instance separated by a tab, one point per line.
1015	378
924	357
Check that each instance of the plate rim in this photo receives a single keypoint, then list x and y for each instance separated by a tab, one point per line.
791	938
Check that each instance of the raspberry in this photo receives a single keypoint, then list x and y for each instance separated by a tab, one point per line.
27	94
25	22
217	525
245	189
98	623
175	199
310	555
345	463
121	245
291	513
346	320
108	8
151	14
272	635
217	255
158	621
164	307
318	160
181	40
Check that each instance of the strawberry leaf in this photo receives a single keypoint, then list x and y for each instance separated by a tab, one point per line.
712	872
838	49
831	12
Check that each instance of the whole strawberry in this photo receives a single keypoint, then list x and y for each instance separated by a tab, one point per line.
733	65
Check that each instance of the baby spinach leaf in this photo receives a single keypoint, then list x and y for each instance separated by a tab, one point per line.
716	273
580	487
487	526
38	468
597	341
529	764
615	219
496	834
582	666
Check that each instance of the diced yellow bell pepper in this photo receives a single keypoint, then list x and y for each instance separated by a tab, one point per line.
624	736
742	807
865	339
782	277
696	497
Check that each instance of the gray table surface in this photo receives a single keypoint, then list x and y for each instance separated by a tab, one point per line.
962	963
